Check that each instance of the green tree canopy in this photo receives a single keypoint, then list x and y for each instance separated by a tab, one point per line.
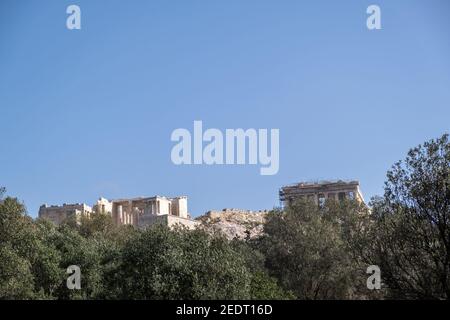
411	231
306	249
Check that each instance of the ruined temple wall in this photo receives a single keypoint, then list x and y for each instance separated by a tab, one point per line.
103	206
180	206
58	214
168	220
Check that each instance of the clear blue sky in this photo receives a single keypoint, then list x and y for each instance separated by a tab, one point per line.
89	113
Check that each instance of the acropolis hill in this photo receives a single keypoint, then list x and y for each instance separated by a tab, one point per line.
142	212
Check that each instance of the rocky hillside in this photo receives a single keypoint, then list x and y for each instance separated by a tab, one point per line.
234	223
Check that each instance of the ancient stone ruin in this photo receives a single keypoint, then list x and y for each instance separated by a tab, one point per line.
139	212
320	191
233	223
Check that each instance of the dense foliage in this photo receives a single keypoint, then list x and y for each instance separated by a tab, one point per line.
305	252
124	263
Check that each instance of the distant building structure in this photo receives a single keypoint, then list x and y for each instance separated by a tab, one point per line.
142	212
57	214
139	212
320	191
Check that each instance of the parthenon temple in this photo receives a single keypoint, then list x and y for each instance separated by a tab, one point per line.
320	191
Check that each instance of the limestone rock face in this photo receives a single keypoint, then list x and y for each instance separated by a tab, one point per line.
234	223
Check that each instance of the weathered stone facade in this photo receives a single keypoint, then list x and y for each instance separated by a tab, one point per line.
320	191
140	212
168	220
57	214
